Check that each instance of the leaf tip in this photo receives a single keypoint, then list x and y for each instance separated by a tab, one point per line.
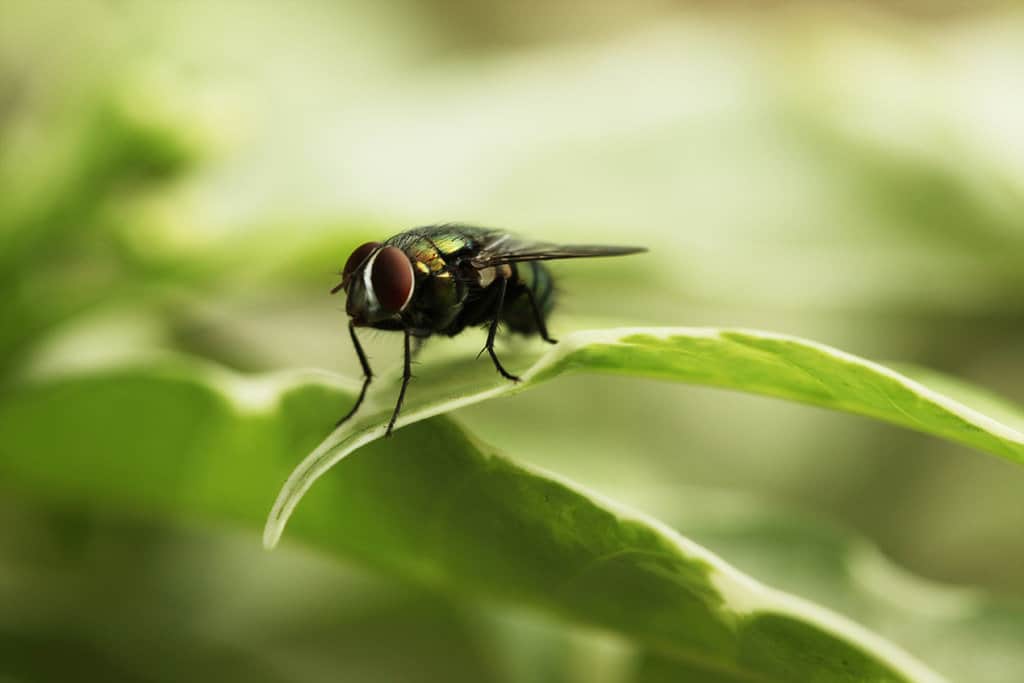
272	533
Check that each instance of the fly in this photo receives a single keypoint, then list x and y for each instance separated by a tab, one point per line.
441	279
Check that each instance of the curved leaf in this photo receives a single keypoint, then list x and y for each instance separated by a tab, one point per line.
757	362
430	505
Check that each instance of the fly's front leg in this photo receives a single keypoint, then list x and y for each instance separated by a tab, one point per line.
367	373
406	376
489	348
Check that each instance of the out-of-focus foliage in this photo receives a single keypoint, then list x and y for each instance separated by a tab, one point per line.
187	176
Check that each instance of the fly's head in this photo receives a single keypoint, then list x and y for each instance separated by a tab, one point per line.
379	283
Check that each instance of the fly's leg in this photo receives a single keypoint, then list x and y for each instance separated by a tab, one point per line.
489	348
538	318
367	374
406	376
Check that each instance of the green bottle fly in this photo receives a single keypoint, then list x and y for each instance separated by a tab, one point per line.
441	279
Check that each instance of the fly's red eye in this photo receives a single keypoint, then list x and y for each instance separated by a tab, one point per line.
361	253
392	278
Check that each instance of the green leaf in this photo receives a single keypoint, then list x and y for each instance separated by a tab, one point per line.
756	362
430	505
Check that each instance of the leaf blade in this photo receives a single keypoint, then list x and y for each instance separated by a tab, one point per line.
765	363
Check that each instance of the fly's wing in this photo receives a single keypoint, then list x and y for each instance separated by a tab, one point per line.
504	249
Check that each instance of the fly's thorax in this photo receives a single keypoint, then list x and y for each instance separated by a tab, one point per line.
430	254
438	300
439	291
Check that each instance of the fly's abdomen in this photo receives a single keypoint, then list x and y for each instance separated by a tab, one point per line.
517	313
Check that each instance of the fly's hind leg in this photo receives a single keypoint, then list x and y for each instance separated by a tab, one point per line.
493	329
538	318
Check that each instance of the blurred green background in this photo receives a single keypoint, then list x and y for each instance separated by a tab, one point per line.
189	176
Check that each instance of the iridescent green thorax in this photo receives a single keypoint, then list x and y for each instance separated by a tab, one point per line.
441	290
451	295
432	250
452	243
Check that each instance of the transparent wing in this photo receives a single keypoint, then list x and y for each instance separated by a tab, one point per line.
503	249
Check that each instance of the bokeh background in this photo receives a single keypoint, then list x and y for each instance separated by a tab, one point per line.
189	176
